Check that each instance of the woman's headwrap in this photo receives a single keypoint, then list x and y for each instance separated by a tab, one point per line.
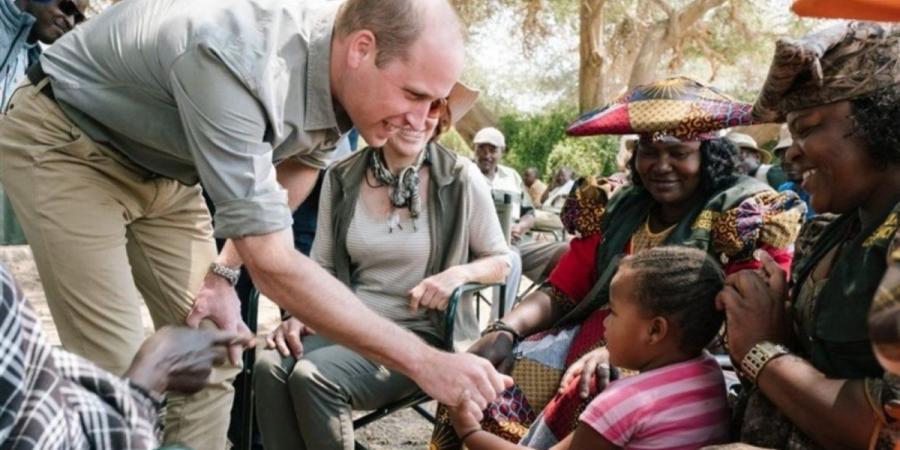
675	107
837	63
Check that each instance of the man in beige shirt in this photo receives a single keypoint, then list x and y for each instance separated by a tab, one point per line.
104	148
533	183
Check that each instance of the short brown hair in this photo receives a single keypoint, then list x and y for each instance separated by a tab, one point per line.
396	24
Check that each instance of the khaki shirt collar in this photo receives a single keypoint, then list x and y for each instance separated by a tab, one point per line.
322	111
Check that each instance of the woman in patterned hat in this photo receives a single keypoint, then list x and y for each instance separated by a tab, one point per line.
811	377
685	190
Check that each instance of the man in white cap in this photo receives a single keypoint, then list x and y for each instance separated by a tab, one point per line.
756	161
490	147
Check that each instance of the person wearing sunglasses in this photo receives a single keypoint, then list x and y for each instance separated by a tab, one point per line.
104	152
24	23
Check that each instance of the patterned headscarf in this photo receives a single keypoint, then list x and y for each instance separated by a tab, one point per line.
676	107
838	63
403	187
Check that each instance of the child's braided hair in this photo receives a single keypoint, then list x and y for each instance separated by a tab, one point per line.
681	284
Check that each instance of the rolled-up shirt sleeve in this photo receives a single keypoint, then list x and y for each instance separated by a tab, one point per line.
225	127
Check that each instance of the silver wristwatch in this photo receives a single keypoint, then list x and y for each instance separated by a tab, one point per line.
225	272
759	356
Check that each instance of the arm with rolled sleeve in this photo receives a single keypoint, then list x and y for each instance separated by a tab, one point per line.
226	127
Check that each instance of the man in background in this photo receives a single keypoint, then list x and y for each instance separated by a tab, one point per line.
533	183
24	25
756	162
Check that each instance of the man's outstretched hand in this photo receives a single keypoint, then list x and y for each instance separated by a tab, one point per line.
461	380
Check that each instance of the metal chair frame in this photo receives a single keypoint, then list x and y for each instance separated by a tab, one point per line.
415	401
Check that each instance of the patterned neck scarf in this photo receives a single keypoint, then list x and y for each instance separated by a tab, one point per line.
403	187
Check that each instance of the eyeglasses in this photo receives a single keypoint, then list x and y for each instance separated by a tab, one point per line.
69	8
434	110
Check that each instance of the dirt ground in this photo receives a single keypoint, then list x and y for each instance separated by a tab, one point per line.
403	430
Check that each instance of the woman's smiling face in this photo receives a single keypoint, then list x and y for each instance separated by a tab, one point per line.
669	170
833	161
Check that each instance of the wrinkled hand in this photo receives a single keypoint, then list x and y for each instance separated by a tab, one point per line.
218	302
754	302
496	347
460	380
434	292
593	368
286	337
180	359
517	232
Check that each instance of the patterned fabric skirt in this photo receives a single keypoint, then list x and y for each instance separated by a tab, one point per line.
532	412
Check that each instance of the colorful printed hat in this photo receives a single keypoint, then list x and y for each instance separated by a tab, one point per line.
677	107
837	63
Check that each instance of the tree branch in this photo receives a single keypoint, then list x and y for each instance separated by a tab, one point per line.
695	11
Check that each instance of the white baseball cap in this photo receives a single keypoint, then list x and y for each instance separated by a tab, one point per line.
490	135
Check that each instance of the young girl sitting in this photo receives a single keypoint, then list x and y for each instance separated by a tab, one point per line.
663	315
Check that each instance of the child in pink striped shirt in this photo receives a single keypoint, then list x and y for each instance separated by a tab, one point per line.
663	315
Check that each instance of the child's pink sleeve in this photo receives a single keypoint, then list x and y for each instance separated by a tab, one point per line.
606	415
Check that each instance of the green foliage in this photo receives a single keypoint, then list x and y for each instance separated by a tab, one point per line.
453	141
586	156
531	138
539	140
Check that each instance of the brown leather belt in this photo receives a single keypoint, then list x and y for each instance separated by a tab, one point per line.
35	74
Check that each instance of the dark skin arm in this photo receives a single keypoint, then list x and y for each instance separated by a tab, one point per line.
832	412
536	312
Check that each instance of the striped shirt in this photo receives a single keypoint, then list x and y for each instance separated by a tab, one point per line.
679	406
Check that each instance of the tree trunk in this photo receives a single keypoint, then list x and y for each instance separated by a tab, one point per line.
591	80
665	35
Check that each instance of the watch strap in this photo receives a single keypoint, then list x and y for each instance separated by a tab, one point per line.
232	275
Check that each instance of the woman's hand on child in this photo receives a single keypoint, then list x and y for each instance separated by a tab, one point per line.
754	302
434	292
286	338
593	368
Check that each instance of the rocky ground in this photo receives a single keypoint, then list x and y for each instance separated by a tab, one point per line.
403	430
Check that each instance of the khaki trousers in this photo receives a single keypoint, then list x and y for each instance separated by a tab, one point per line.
101	231
308	404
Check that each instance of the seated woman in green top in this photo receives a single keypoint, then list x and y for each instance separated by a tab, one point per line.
403	226
685	191
811	378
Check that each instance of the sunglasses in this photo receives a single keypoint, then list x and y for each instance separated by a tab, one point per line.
70	9
436	107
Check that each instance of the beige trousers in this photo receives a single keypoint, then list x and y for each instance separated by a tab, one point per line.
101	231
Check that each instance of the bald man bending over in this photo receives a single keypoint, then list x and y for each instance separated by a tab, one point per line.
104	150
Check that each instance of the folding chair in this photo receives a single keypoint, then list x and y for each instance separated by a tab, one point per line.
415	401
